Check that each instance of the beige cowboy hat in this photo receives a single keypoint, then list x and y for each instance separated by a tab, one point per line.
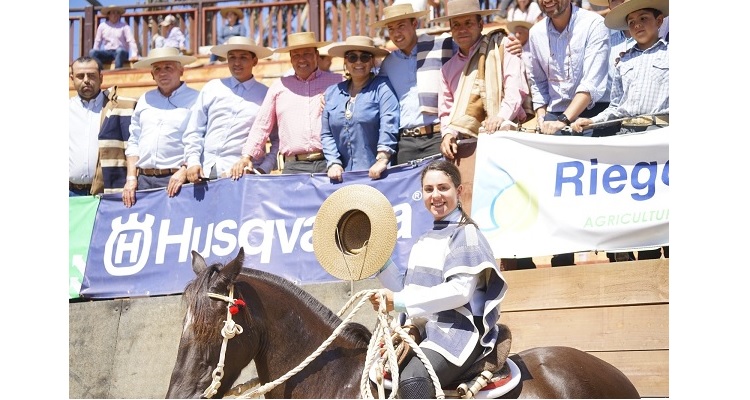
354	233
241	43
512	25
301	40
164	54
361	43
106	10
236	11
398	12
459	8
323	51
600	3
616	18
168	20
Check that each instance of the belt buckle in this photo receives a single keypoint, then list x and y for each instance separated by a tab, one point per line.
410	132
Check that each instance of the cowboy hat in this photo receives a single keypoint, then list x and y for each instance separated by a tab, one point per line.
361	43
512	25
301	40
460	8
398	12
617	17
236	11
106	10
164	54
168	20
600	3
354	233
241	43
323	51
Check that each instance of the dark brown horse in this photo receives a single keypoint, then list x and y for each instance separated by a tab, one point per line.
282	325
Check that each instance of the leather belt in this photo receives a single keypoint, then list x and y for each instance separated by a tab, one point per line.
156	172
314	156
79	186
646	121
420	131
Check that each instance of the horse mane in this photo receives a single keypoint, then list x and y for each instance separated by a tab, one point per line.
355	332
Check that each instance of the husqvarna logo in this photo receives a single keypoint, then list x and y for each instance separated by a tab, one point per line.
131	239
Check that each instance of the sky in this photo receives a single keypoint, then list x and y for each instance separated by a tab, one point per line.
708	268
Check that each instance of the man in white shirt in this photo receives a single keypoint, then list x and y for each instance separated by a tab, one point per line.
84	121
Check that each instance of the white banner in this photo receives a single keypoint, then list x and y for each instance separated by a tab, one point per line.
536	195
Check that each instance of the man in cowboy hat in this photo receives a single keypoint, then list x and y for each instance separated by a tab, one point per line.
114	40
232	27
465	19
224	113
155	152
293	107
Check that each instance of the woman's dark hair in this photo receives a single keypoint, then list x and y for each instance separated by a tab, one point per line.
454	174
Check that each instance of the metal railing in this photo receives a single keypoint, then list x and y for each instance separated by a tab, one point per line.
267	22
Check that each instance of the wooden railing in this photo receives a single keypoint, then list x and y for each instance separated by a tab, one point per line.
268	23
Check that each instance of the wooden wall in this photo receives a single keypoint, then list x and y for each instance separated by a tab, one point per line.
616	311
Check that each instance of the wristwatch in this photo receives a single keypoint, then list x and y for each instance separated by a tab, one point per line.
564	118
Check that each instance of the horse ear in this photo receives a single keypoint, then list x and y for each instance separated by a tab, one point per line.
199	263
235	266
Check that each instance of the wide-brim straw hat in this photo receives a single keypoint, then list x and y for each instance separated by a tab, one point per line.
241	43
301	40
164	54
512	25
398	12
233	10
600	3
107	9
616	18
360	43
354	233
460	8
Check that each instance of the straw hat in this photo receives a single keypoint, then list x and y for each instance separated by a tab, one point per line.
164	54
512	25
107	9
460	8
600	3
241	43
168	20
301	40
398	12
361	43
354	233
323	51
233	10
616	18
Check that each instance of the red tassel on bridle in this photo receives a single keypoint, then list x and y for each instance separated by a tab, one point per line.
235	308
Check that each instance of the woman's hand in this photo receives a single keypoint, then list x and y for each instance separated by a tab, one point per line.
377	297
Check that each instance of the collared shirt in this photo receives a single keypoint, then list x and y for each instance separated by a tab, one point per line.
83	144
228	31
372	125
641	84
175	38
512	103
293	106
222	116
565	63
401	71
157	126
618	43
115	36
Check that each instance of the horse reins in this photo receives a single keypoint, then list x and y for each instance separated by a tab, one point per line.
229	330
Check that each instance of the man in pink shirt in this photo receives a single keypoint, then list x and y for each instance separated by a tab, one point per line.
465	18
293	103
114	40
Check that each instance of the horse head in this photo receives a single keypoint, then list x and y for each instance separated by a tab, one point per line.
217	339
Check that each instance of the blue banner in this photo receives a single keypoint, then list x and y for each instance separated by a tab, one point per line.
145	250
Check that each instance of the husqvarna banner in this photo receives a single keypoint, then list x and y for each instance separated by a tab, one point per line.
146	249
540	195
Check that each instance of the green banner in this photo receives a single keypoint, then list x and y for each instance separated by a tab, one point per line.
82	212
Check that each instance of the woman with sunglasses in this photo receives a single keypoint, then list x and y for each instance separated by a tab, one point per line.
361	114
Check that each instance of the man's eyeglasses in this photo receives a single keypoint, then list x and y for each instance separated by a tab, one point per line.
353	57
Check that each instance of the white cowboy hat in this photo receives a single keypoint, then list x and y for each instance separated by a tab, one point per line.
398	12
617	17
512	25
241	43
107	9
164	54
301	40
459	8
361	43
233	10
354	233
168	20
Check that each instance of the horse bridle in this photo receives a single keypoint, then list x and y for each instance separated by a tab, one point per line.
229	330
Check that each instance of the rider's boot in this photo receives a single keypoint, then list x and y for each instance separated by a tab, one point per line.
416	388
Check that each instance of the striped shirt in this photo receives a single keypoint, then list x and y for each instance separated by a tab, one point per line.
294	106
641	84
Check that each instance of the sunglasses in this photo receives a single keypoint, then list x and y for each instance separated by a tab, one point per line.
364	57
